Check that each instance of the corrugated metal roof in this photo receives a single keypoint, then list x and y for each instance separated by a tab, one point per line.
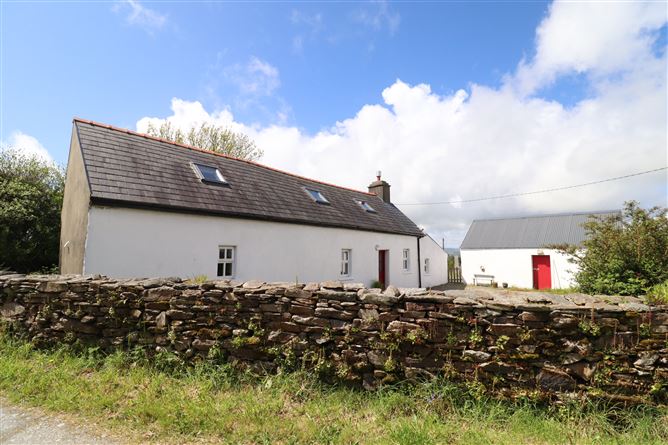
529	231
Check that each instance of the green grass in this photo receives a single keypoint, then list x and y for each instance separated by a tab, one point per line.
159	402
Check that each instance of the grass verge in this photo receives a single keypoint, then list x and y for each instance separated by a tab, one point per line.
160	401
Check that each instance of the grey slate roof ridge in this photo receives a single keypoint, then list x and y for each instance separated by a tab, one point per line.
548	215
125	168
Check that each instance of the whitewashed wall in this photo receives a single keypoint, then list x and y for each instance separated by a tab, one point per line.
438	258
514	266
132	242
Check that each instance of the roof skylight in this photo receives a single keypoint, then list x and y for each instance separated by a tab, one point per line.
365	206
317	196
207	173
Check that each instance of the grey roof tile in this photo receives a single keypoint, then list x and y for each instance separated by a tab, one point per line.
128	169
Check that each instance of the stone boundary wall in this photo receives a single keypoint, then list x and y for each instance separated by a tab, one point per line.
513	343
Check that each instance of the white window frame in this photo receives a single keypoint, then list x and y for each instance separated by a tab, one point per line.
346	262
196	168
227	260
406	260
318	198
427	266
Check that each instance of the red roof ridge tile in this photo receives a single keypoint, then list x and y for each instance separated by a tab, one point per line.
190	147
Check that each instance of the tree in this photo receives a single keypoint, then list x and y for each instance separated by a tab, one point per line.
625	254
210	137
31	197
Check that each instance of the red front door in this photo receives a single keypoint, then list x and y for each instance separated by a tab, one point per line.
381	268
542	275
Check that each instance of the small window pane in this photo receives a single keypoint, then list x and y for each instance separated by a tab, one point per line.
317	196
345	262
210	174
225	261
365	206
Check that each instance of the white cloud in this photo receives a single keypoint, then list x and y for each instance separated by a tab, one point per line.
378	15
250	87
590	37
312	21
491	141
310	25
140	15
27	144
254	78
187	114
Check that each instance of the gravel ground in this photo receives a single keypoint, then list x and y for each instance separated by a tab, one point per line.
31	426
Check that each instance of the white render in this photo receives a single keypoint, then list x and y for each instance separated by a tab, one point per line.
514	266
438	262
124	242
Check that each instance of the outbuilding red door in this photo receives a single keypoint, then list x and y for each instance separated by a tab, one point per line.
542	275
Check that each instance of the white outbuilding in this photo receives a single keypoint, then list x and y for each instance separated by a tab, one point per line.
139	206
515	250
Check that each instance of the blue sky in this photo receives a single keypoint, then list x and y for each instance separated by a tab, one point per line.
451	100
75	59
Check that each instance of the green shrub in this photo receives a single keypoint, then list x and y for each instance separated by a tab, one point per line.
658	294
31	195
624	254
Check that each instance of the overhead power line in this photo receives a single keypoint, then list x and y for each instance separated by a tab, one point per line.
535	192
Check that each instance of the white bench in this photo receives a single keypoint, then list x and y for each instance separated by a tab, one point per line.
480	279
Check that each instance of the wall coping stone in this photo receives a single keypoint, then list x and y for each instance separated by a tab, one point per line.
492	298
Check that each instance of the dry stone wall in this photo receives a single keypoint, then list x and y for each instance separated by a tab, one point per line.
514	343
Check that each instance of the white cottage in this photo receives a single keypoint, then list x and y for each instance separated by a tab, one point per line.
136	205
514	250
434	262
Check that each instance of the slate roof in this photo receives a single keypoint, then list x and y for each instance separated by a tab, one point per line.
129	169
529	231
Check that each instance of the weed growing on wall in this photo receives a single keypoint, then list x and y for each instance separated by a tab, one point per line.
658	294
